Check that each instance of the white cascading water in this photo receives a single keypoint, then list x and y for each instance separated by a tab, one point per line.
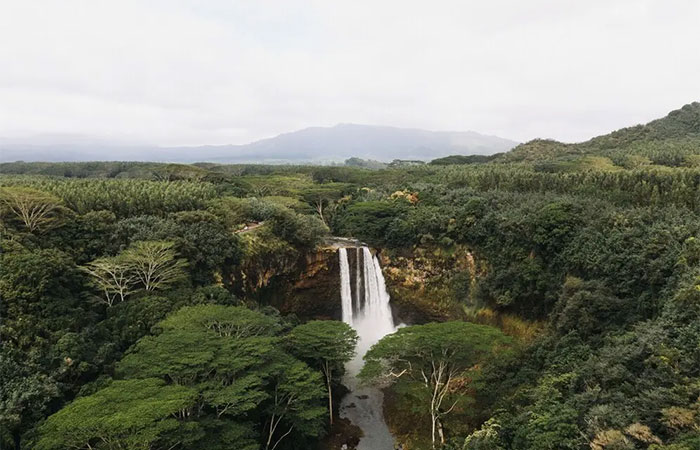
358	278
345	292
369	313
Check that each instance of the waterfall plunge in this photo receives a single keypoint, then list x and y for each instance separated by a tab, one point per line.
345	293
369	313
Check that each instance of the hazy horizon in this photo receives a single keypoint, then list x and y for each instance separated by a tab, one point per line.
315	144
174	73
68	138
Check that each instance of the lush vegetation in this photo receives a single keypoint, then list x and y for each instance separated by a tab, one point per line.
566	277
123	313
435	358
671	141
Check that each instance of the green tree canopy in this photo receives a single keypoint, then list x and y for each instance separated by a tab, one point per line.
155	264
224	371
433	356
326	344
229	321
38	298
130	414
25	395
36	210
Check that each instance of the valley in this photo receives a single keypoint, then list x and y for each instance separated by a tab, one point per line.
546	298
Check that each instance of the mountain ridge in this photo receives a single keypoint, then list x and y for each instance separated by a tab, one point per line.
311	144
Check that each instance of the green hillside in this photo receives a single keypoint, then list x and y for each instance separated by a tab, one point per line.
672	141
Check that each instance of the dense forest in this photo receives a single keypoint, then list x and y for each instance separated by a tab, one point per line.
553	294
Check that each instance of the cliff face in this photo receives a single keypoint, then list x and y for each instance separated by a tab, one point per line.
311	290
429	284
425	284
316	292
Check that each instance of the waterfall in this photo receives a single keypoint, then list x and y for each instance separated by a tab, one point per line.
371	318
345	294
358	279
368	311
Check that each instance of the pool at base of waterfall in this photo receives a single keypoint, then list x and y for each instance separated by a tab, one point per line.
366	308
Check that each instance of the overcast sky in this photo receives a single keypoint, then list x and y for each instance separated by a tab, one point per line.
215	72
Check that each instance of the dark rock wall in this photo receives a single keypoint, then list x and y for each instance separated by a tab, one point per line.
312	291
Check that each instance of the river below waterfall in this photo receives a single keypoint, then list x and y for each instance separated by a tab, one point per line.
366	308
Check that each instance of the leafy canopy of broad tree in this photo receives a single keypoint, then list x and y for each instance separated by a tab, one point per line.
327	344
435	357
210	368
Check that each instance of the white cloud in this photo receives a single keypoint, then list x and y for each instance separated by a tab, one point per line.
214	72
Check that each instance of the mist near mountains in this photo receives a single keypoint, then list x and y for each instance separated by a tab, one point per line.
311	145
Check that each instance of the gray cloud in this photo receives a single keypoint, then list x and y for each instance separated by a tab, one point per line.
215	72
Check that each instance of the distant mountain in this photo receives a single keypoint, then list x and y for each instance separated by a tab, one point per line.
673	140
374	142
316	144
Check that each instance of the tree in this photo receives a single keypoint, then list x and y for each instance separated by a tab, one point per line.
38	307
231	211
231	357
129	414
172	172
37	210
25	395
85	237
114	276
326	344
370	220
143	228
210	249
589	307
229	373
198	358
294	404
39	303
321	196
433	357
300	230
152	264
155	264
486	438
225	321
